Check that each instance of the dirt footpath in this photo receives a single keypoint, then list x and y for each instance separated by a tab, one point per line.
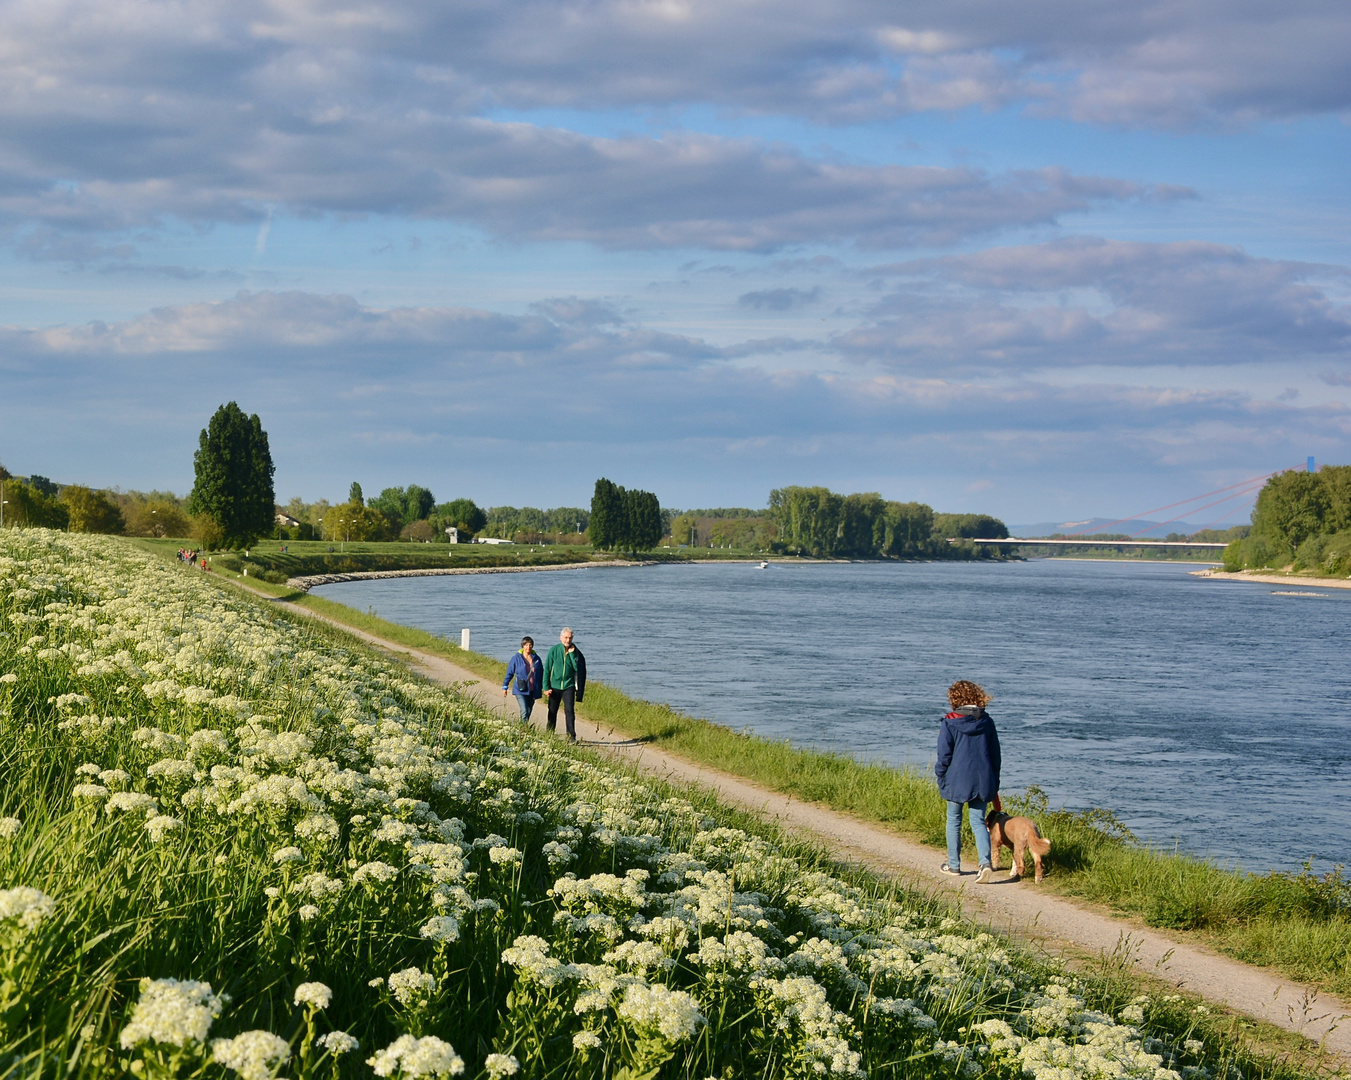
1015	907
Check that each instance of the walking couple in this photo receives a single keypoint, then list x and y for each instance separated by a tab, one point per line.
560	678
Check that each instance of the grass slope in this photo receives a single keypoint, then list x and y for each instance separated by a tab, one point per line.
233	843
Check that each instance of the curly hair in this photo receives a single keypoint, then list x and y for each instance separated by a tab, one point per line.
964	692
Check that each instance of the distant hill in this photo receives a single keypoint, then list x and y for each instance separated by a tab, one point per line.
1087	526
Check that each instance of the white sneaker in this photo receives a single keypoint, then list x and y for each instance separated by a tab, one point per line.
946	869
983	874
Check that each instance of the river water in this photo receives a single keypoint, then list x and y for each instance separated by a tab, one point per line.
1214	716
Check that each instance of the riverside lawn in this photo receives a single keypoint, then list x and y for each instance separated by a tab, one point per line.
231	845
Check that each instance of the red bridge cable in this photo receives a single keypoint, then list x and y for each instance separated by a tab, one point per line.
1170	506
1212	524
1198	509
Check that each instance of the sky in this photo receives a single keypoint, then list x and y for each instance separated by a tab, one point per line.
1046	260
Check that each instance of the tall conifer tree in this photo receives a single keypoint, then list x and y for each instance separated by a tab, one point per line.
234	477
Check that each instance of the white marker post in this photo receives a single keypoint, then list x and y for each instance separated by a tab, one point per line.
464	639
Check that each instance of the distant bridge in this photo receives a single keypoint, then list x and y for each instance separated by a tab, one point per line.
1182	544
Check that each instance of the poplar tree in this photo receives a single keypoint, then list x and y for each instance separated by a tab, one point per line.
607	515
234	477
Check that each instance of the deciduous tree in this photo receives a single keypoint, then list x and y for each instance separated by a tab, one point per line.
91	511
30	506
234	477
1292	507
464	514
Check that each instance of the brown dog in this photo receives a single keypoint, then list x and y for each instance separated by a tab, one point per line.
1020	834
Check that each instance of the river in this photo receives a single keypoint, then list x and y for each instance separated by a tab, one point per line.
1214	716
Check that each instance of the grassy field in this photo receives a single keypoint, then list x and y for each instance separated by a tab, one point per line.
1299	924
234	843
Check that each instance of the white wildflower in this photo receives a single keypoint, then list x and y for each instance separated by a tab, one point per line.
411	1057
379	872
317	827
9	677
500	1065
442	928
10	827
314	994
288	855
586	1040
318	886
131	802
504	856
411	986
25	906
160	826
673	1013
308	912
255	1055
89	769
114	777
558	854
338	1043
172	1012
89	791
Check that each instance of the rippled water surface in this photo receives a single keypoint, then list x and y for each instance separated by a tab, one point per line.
1215	715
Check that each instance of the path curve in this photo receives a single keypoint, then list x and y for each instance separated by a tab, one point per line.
1017	908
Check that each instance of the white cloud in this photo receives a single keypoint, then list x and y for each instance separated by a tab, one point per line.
1090	301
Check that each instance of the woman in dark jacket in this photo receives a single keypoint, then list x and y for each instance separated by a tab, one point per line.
526	669
967	768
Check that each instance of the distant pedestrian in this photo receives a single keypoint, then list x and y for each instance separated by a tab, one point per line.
528	671
564	681
967	768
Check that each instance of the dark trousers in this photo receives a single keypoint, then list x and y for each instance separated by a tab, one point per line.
568	699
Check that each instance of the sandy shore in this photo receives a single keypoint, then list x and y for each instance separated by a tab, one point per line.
1274	578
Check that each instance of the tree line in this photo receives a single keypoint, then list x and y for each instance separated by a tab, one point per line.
1301	519
624	519
817	521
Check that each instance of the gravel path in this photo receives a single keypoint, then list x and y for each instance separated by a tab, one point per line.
1017	908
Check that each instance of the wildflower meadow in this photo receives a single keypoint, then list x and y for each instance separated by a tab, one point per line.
234	844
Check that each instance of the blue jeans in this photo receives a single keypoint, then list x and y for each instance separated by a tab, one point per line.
526	704
976	812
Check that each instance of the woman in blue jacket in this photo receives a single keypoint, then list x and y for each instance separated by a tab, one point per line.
526	669
967	768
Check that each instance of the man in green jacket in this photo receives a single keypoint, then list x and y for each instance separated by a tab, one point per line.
564	682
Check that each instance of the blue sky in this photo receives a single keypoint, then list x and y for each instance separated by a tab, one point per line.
1048	262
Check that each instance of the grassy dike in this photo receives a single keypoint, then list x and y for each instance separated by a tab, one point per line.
458	896
1298	924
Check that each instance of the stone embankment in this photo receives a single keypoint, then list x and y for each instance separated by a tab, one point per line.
309	581
1275	578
